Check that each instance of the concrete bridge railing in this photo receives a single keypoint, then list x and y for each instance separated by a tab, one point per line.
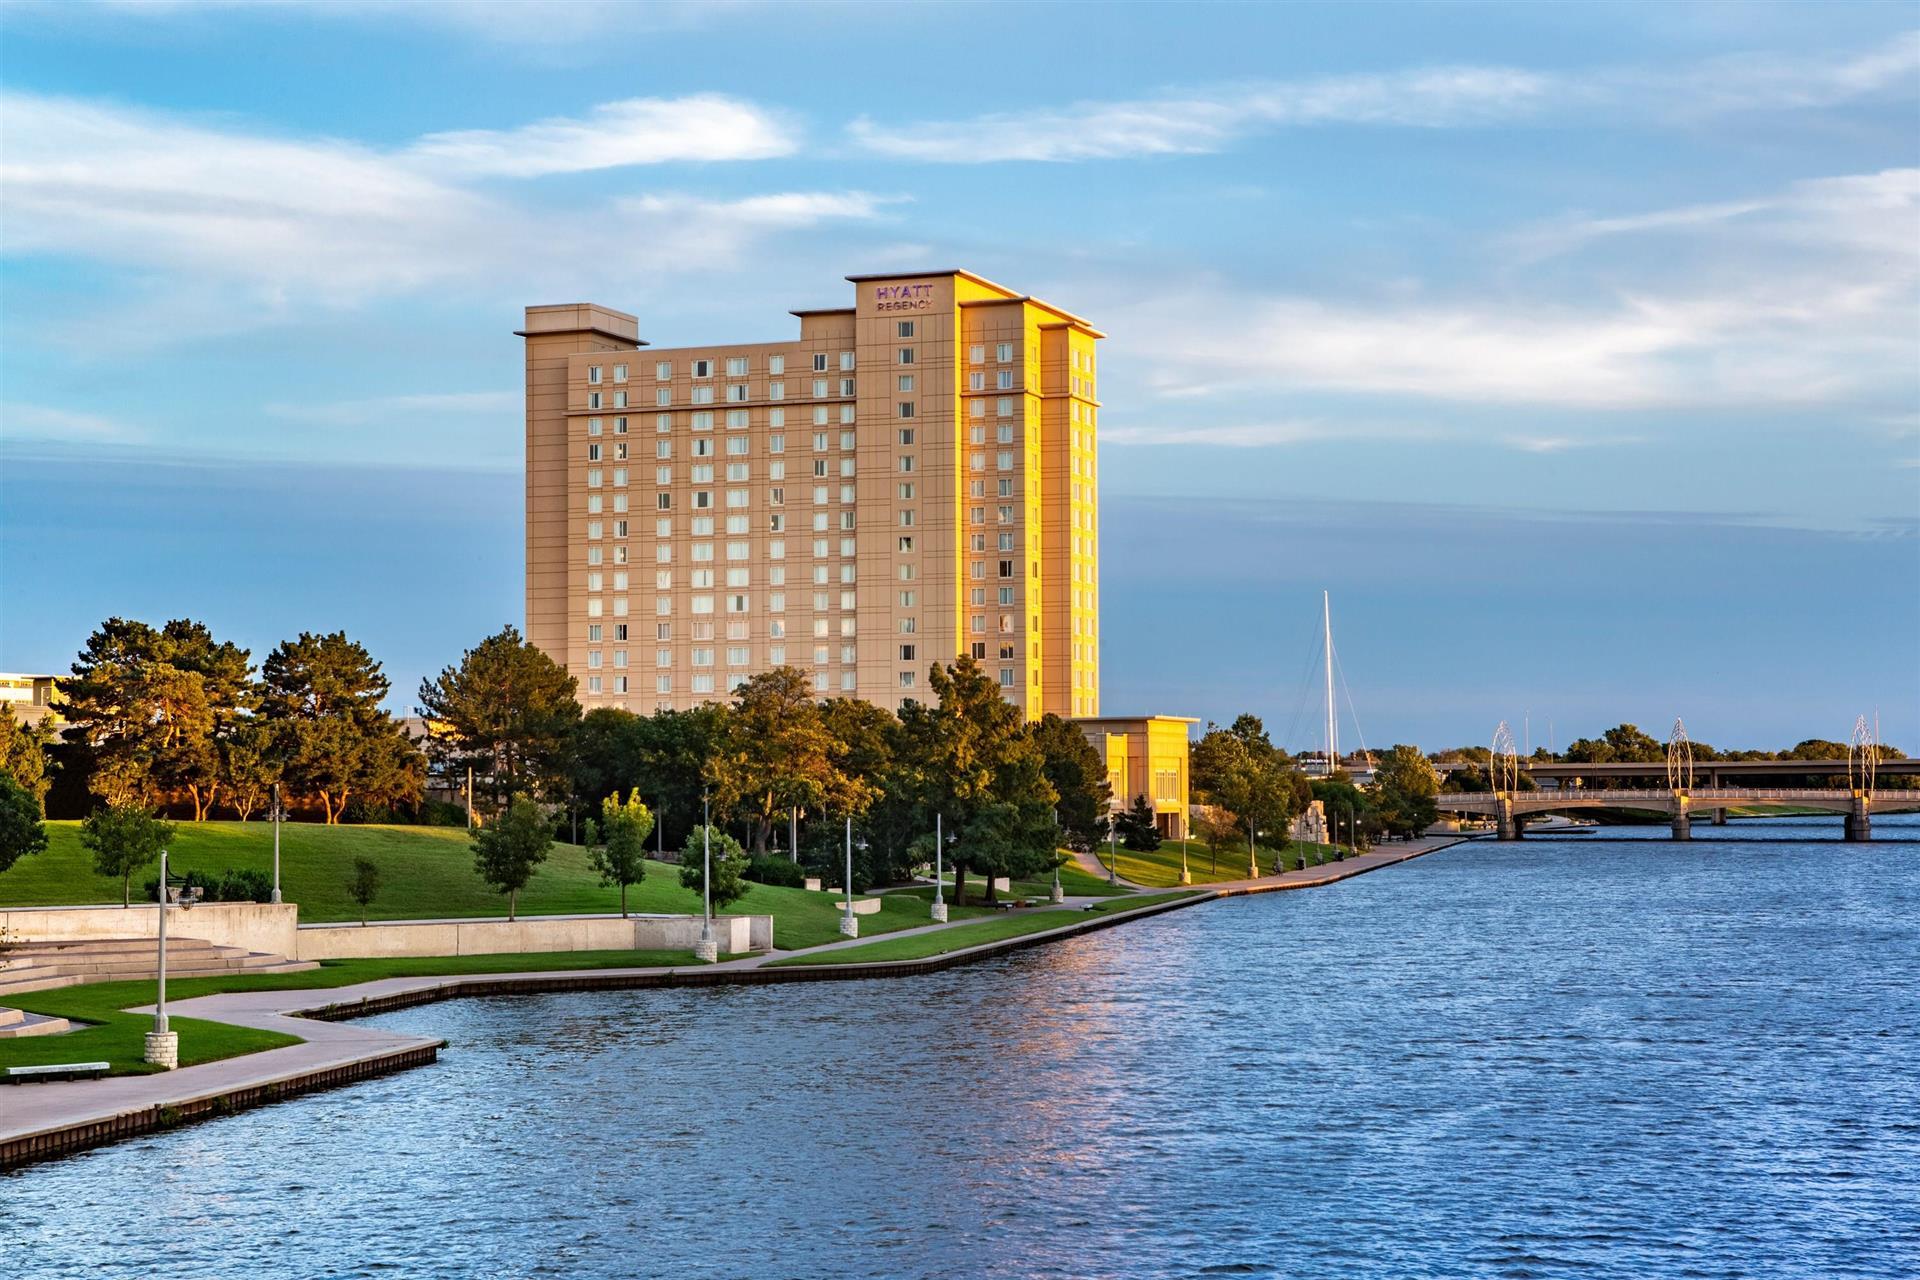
1510	808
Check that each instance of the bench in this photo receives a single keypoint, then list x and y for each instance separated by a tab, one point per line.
58	1071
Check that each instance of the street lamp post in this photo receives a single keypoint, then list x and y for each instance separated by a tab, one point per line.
276	842
163	1045
1113	848
705	950
848	925
1059	895
939	868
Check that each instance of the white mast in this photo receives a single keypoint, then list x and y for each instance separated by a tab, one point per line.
1333	732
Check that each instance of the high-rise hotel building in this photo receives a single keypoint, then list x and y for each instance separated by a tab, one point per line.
911	478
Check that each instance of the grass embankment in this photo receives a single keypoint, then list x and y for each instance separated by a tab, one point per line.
425	873
919	946
118	1037
1074	882
1161	867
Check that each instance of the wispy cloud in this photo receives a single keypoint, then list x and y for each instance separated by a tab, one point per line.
384	410
638	131
41	423
1259	435
293	220
1213	118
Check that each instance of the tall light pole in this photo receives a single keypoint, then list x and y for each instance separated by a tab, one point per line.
1113	847
848	925
706	950
469	797
1059	895
162	1045
276	842
939	868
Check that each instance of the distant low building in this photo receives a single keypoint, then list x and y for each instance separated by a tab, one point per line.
1145	756
30	697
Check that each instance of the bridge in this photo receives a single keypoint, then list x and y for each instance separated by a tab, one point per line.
1561	788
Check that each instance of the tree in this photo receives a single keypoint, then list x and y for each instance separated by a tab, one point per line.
605	755
20	829
674	748
1219	827
621	855
1406	783
729	866
23	754
249	765
123	839
363	885
1138	829
508	850
1078	775
322	695
777	755
508	712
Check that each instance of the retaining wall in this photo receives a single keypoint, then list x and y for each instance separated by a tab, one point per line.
257	926
534	933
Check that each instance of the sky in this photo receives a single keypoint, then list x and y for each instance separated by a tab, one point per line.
1574	349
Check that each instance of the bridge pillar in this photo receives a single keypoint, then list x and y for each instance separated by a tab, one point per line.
1682	818
1720	817
1510	824
1859	822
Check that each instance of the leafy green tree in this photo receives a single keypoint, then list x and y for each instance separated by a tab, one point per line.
321	694
674	749
621	854
729	866
23	754
249	765
1076	772
1218	827
20	829
864	749
1406	784
1138	830
777	755
508	850
364	885
123	839
507	711
604	755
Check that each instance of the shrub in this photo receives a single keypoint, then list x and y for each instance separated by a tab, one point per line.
770	869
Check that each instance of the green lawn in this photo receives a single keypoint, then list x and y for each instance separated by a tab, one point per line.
1012	925
426	873
118	1037
1161	867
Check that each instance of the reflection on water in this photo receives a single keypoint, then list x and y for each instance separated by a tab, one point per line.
1603	1055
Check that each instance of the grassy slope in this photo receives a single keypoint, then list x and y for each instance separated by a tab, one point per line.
426	872
1161	868
117	1036
921	945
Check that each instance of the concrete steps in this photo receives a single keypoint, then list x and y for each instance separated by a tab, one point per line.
15	1023
40	966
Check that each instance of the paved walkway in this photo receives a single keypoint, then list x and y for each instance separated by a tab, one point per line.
30	1109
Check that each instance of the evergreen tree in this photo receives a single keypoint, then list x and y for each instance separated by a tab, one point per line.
1138	829
508	712
20	829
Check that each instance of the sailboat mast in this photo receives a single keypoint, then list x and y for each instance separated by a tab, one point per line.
1333	739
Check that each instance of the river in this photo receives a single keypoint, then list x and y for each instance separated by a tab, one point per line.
1601	1055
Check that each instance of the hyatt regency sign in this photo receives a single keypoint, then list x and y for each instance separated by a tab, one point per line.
903	297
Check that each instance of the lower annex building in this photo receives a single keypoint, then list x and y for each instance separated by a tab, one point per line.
910	478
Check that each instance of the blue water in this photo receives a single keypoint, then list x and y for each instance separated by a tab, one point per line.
1602	1056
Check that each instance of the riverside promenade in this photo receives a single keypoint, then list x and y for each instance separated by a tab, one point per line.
42	1120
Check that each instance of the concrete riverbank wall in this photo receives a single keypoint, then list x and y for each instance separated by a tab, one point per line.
384	939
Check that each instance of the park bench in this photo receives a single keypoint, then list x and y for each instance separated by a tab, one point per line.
57	1071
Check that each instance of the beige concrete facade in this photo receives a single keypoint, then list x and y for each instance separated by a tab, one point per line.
1146	756
912	478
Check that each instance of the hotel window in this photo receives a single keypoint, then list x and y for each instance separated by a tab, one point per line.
663	371
1006	491
703	472
593	453
1006	677
1003	407
701	420
846	493
777	443
737	392
1006	595
1006	568
619	475
906	542
619	658
738	446
620	451
1003	380
777	496
663	475
663	397
1006	515
703	500
906	519
906	679
906	435
904	329
737	471
846	466
907	626
619	426
846	416
846	361
663	449
1003	460
819	495
776	391
593	399
593	374
1005	433
976	381
593	684
739	656
906	355
906	491
703	657
846	386
703	395
662	423
819	362
593	426
820	415
736	366
906	408
976	408
1003	352
594	476
737	420
619	399
776	364
819	442
819	388
619	373
703	368
976	354
1006	540
737	498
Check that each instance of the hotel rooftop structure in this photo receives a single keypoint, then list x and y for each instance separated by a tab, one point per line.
908	478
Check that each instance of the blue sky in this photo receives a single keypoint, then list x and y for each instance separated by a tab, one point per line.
1574	348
